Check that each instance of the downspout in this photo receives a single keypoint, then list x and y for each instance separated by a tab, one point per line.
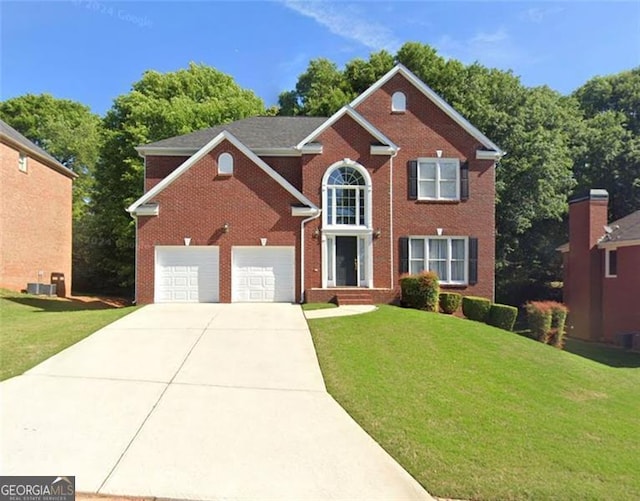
302	243
391	246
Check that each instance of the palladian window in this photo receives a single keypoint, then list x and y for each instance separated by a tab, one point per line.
346	197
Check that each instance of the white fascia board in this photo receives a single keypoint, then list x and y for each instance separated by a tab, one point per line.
435	98
147	210
311	149
382	150
304	211
224	135
143	151
363	122
614	244
489	155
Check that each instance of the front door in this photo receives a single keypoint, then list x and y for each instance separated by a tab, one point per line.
346	261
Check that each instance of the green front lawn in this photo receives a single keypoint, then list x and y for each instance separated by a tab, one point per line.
33	328
474	412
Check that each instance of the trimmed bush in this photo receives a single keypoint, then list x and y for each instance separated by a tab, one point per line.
449	302
539	320
420	291
547	321
502	316
476	308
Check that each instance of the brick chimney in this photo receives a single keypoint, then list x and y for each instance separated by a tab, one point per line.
587	218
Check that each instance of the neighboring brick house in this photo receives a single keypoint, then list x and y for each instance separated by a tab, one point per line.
35	214
601	271
320	209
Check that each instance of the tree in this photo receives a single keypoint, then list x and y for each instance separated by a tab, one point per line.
65	129
158	106
607	152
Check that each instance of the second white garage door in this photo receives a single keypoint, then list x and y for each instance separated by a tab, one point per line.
263	274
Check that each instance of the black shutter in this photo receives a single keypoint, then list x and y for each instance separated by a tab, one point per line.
464	181
412	166
473	260
404	255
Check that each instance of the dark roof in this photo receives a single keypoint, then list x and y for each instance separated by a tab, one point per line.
626	228
254	132
13	135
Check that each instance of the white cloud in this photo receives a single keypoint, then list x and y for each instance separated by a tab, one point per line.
494	49
346	21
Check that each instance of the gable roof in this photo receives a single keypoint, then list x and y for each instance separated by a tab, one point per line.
259	134
19	142
626	229
435	98
364	123
187	164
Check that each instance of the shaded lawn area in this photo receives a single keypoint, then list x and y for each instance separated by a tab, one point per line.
34	328
474	412
318	306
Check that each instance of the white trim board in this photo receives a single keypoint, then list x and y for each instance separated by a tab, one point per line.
224	135
363	122
435	98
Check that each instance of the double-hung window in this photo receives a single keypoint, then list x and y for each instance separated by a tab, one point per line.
447	256
438	179
345	203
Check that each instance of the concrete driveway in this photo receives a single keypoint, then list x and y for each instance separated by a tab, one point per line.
202	401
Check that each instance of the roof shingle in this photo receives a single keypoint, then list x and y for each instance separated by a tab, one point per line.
254	132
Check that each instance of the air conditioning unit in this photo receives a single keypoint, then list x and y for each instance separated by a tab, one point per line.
41	289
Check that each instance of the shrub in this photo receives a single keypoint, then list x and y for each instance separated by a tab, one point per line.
539	320
449	302
559	314
502	316
476	308
420	291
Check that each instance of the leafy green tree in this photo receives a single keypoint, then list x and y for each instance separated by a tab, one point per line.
607	151
158	106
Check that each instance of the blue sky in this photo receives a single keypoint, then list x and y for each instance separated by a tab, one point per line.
92	51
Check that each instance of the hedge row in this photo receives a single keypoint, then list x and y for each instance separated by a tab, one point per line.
420	291
546	320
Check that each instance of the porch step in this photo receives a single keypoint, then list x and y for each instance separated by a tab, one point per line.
353	297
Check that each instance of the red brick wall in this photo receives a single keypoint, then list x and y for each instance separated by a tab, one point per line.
157	168
35	222
419	132
584	281
200	202
620	306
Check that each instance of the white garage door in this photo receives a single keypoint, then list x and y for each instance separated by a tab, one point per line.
263	274
187	274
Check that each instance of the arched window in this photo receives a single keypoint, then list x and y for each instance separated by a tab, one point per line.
398	102
225	164
346	197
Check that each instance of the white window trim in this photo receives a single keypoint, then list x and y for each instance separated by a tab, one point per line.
366	188
365	252
607	262
398	98
225	164
425	260
439	161
23	160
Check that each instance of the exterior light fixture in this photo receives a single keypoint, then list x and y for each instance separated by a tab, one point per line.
225	228
377	233
316	233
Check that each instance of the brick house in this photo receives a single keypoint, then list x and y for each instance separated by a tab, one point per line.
35	214
320	209
601	267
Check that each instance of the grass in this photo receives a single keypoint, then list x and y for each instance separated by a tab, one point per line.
474	412
35	328
318	306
